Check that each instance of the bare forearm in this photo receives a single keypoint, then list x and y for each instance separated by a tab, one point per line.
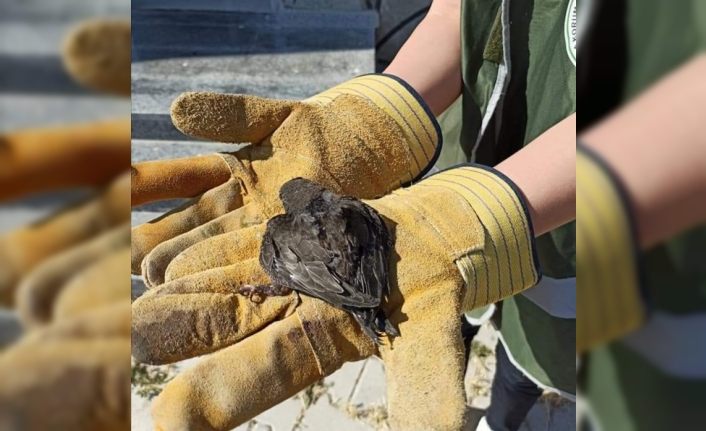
430	60
545	171
657	147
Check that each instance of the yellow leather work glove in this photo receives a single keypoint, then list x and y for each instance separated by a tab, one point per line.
610	300
462	239
73	372
96	54
365	137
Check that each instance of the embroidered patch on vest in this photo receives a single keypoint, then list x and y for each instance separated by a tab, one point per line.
570	31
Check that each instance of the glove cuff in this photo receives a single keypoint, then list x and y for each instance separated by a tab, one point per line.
402	104
610	300
502	260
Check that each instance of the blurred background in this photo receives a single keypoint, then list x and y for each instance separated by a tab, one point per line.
641	83
64	209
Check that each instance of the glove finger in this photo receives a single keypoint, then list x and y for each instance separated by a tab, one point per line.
23	249
203	313
233	118
100	284
38	291
210	205
235	384
218	251
155	263
177	178
97	54
106	321
55	158
424	366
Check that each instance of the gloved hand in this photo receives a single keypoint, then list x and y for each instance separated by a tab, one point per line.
365	137
607	256
59	157
462	239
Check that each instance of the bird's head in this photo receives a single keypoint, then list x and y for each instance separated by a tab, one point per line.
297	193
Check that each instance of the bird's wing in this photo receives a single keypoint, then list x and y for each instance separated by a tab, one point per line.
318	278
320	261
336	255
372	273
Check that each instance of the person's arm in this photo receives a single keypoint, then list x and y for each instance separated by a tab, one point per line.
656	146
430	60
545	171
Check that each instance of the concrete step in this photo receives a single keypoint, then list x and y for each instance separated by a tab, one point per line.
155	84
278	53
291	75
34	87
184	33
253	5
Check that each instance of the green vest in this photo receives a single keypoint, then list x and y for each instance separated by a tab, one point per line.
518	81
655	378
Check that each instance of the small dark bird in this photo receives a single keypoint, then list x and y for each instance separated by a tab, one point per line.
331	247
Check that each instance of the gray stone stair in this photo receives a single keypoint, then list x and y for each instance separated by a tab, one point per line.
274	52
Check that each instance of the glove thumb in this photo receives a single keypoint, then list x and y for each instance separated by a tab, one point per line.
233	118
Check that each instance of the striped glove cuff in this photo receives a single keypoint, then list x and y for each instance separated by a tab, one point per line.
610	302
492	242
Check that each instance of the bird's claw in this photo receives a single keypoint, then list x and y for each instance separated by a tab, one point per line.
258	293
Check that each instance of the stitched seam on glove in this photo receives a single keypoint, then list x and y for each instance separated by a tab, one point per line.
503	229
497	228
477	185
381	161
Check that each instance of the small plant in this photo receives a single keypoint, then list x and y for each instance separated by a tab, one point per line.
311	395
374	415
480	350
150	379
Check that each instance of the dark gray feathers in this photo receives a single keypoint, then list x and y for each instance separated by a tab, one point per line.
333	248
